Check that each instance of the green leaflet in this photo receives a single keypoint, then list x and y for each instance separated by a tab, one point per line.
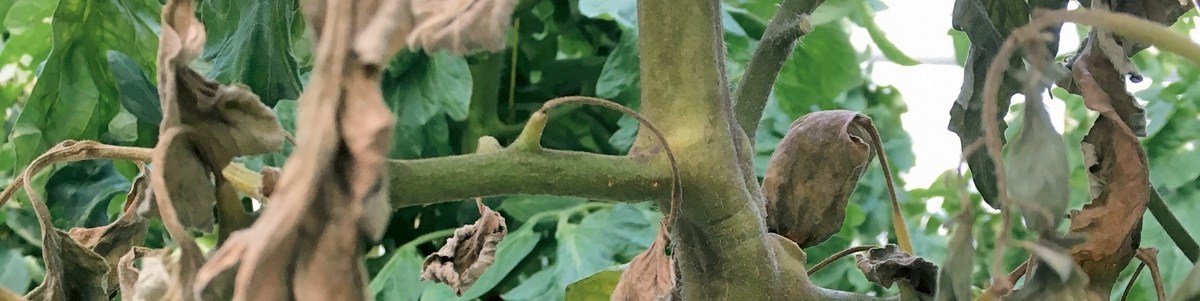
597	287
250	42
75	96
78	194
422	90
26	46
824	66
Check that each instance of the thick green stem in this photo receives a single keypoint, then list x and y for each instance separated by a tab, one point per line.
426	181
721	246
778	41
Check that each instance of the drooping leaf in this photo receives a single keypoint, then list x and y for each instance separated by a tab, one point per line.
466	256
515	247
817	165
889	264
114	240
650	276
461	26
250	43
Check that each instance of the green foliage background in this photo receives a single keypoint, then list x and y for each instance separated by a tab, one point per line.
76	69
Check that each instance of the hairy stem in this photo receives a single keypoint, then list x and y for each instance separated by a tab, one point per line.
778	41
511	171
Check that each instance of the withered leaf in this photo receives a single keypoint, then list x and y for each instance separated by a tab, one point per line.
1055	276
127	274
650	275
468	253
270	178
333	187
889	264
114	240
460	26
73	272
954	279
1117	166
154	281
205	124
812	174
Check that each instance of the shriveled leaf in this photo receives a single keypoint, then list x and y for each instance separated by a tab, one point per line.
73	272
1038	171
468	253
889	264
1117	168
127	274
114	240
812	174
332	193
154	279
460	26
509	253
597	287
650	276
1055	276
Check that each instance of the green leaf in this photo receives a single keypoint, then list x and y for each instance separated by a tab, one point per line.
25	224
520	208
250	42
79	193
509	253
26	46
865	17
423	90
601	239
624	12
824	66
400	278
14	276
620	74
75	96
597	287
542	285
138	95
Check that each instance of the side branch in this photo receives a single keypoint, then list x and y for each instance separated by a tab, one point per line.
778	41
509	171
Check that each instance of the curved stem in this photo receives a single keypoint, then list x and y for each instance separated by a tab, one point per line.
778	41
836	256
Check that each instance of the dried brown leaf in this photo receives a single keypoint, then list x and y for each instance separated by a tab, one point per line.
889	264
468	253
1055	276
812	174
1117	163
73	272
154	280
114	240
332	192
650	275
460	26
127	274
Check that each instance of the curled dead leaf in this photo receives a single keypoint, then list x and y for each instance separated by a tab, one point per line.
114	240
270	178
812	174
1055	276
468	253
127	274
73	272
154	279
889	264
650	275
460	26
